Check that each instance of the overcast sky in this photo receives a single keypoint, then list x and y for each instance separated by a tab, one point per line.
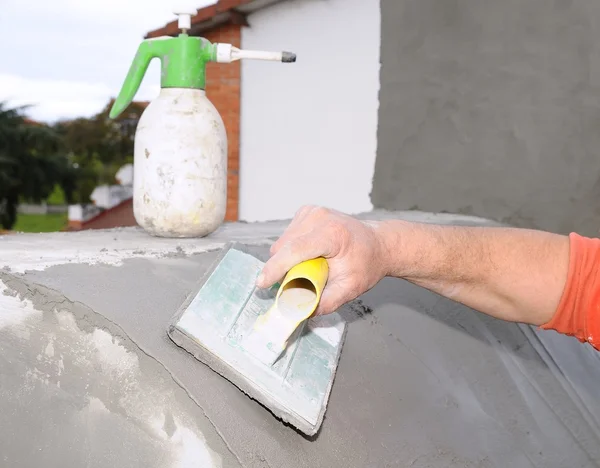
69	57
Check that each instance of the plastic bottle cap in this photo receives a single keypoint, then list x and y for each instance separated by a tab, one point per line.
185	21
185	13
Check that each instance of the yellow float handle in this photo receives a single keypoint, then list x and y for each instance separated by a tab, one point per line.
314	272
280	321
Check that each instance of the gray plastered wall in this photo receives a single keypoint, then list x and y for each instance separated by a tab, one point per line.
492	109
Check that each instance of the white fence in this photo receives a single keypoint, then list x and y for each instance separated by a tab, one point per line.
42	209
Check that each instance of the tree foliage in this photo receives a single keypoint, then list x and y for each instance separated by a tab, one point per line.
76	155
32	162
99	146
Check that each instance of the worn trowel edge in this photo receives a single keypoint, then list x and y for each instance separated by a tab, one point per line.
202	354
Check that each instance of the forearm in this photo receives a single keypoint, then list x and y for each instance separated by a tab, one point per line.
512	274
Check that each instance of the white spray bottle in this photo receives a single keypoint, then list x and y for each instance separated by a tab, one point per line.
180	146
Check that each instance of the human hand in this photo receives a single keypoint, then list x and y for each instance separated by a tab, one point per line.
354	251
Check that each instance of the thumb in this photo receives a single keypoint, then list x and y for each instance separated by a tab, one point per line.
334	296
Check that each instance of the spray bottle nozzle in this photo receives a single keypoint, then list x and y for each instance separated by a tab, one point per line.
183	60
226	53
184	14
288	57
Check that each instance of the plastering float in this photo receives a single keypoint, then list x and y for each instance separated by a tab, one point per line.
264	341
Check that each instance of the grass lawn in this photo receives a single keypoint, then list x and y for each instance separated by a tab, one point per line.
40	223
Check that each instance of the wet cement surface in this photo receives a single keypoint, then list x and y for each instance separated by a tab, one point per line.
422	382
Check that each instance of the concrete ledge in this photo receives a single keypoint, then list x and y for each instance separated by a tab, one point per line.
21	252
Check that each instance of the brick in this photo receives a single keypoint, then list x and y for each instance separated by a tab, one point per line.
223	89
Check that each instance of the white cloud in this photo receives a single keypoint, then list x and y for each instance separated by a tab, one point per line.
71	56
55	99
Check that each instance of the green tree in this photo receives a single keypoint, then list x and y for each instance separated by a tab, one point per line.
99	146
32	161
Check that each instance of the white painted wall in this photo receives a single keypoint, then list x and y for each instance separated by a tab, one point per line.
309	129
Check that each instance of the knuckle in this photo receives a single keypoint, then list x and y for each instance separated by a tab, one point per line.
301	248
337	232
275	246
296	249
336	228
321	212
290	247
303	210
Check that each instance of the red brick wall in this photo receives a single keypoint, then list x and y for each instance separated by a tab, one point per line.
223	90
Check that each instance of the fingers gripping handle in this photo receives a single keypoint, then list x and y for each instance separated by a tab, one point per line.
226	53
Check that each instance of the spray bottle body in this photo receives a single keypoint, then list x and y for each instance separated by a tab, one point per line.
180	165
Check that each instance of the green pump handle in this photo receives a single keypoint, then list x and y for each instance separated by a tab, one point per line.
183	65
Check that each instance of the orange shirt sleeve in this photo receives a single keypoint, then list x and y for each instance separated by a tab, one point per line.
578	313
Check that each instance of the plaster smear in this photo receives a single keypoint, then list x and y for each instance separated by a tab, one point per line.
23	252
103	402
13	313
327	327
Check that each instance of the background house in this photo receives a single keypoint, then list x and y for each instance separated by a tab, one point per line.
304	132
479	107
112	205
